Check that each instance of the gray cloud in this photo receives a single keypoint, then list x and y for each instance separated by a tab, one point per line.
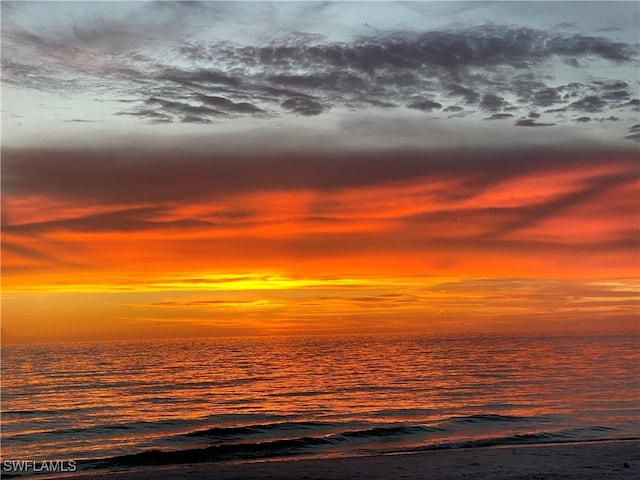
634	104
228	105
480	66
499	116
425	105
580	46
590	104
198	78
546	97
530	122
303	106
470	96
634	133
126	176
491	102
182	108
152	115
195	119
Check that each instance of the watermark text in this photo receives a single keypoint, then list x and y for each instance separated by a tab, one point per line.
38	466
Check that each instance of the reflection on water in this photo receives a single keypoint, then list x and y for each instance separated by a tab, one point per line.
322	395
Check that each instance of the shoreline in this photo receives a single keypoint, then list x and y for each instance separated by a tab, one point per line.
591	460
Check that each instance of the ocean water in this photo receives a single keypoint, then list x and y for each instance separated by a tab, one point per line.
115	404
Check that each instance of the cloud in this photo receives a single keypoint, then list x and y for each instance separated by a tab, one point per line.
425	105
226	104
634	133
535	213
128	220
634	104
182	108
300	206
153	116
470	96
26	252
584	46
491	102
197	78
590	104
529	122
195	119
307	75
303	106
135	176
457	211
499	116
546	97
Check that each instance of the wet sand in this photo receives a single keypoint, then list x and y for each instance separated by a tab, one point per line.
575	461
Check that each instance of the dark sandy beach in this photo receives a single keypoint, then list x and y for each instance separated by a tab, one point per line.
606	460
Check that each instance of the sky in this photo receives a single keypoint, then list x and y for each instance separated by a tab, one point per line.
178	169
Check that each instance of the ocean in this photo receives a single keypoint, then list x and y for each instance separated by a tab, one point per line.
124	404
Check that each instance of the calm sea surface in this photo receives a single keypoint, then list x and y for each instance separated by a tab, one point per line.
160	402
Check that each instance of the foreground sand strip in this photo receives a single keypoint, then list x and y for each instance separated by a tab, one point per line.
575	461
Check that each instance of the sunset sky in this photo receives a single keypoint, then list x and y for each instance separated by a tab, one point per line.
238	168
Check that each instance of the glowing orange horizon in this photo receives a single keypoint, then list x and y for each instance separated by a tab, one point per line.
397	256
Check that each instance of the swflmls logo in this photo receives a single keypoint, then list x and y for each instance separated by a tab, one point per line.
44	466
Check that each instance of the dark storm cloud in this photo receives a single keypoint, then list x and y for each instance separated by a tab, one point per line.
583	119
530	122
555	110
619	95
491	102
476	46
198	78
161	110
546	97
195	119
480	66
580	46
226	104
614	85
470	96
590	104
499	116
126	176
333	80
425	105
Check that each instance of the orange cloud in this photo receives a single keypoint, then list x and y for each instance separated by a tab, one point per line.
373	241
